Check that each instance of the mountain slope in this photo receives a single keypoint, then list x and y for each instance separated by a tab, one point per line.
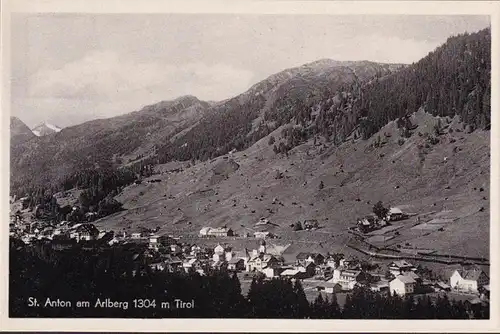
101	143
19	132
244	119
451	183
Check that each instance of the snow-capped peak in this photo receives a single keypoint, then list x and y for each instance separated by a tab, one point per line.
44	129
53	127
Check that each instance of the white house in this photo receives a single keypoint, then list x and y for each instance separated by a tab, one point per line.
136	235
402	285
204	231
468	280
395	214
345	277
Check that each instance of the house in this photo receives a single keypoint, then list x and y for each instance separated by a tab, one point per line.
220	232
380	286
262	235
329	287
367	223
204	231
172	263
219	249
395	214
309	269
310	224
191	265
347	278
293	273
470	280
160	266
441	286
304	258
242	254
402	285
84	232
261	261
400	267
136	235
272	272
236	264
262	221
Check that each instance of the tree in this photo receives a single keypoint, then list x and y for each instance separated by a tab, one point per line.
321	185
297	226
379	210
271	140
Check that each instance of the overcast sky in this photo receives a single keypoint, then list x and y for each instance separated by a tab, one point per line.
68	68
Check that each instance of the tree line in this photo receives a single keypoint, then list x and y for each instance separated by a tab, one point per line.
120	273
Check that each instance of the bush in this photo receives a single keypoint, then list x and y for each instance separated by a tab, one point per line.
401	141
271	140
297	226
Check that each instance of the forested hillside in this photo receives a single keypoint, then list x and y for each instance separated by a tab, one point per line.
326	100
49	161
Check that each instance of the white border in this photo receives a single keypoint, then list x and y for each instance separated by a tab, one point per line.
251	7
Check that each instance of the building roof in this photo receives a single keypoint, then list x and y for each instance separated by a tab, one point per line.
395	211
242	253
412	275
89	228
234	260
205	230
401	264
470	274
290	272
404	279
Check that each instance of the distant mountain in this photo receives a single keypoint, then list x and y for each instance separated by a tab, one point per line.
326	100
102	143
45	129
19	132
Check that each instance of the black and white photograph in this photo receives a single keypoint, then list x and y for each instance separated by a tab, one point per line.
246	165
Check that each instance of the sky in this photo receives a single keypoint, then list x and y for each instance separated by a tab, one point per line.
70	68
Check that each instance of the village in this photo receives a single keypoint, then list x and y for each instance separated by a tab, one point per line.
329	273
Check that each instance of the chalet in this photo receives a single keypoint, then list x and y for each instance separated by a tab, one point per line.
136	235
329	287
219	249
221	232
304	258
261	261
204	231
400	267
262	221
84	232
236	264
470	280
346	278
172	263
441	286
310	224
402	285
380	286
395	214
309	269
242	254
293	273
262	235
271	272
367	223
191	265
